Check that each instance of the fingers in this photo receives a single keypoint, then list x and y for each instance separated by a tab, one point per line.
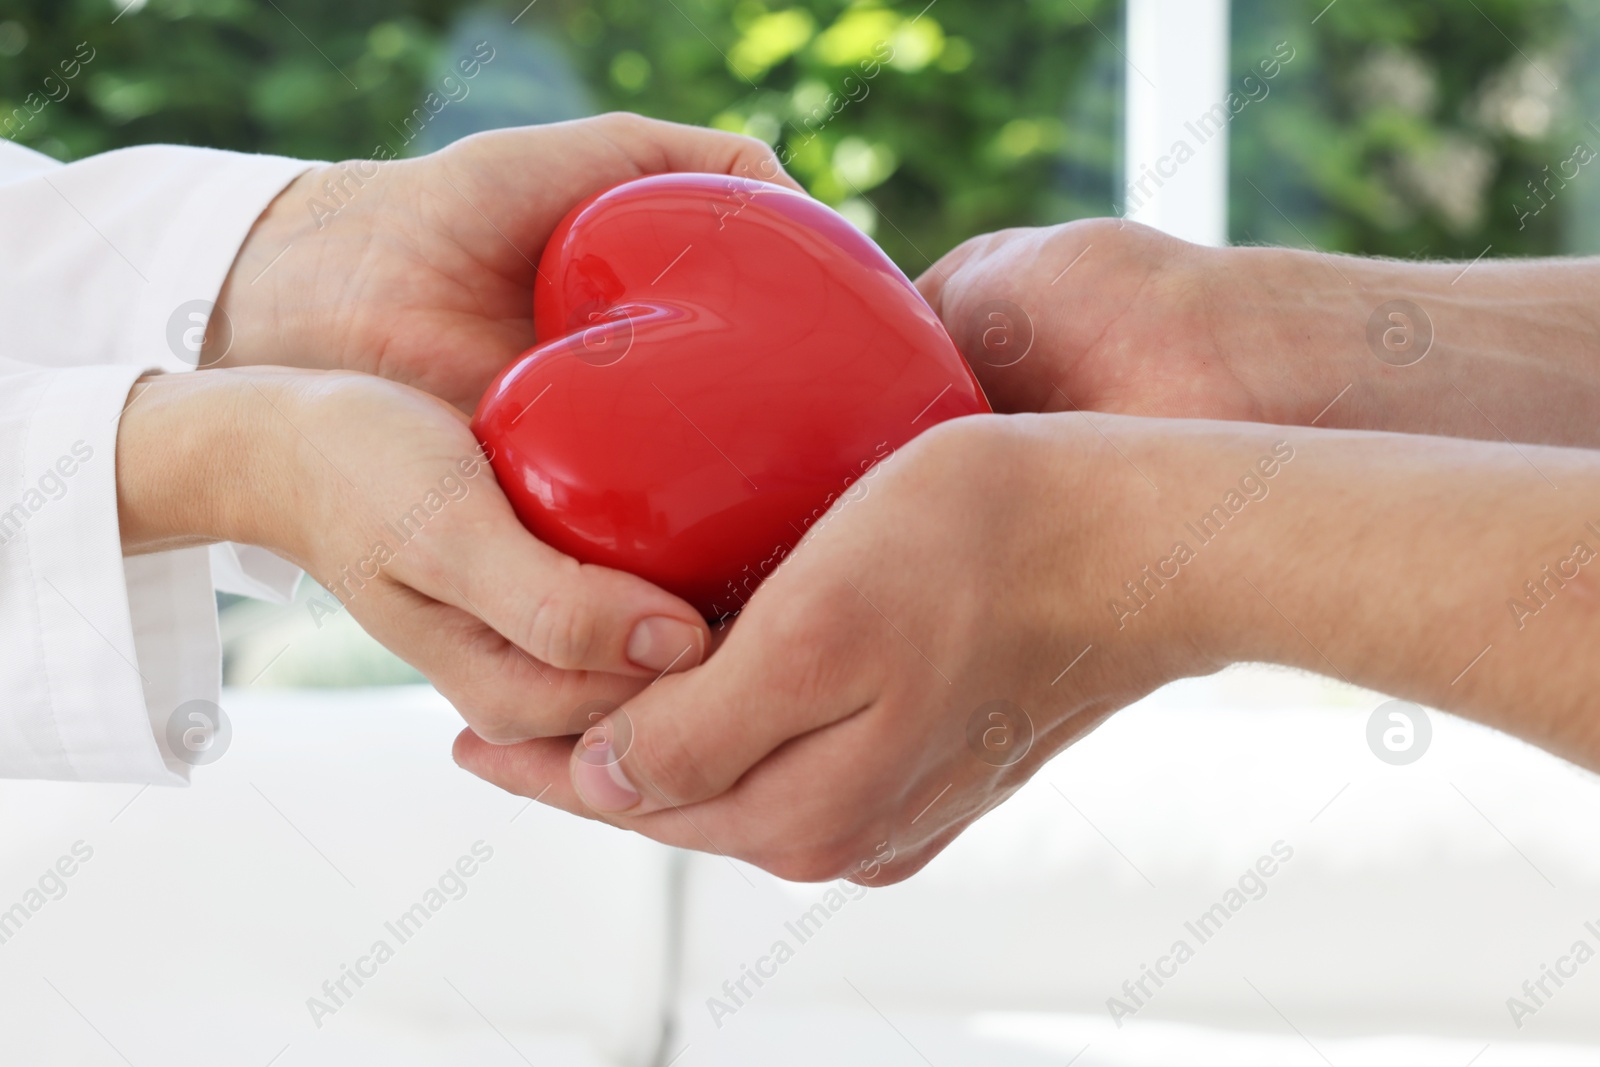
535	769
934	285
781	822
691	737
504	695
661	147
539	770
571	616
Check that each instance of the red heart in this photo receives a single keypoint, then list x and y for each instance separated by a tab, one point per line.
720	360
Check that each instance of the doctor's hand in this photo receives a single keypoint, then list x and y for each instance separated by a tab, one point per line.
914	662
381	494
422	270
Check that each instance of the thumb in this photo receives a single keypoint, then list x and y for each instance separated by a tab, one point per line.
692	737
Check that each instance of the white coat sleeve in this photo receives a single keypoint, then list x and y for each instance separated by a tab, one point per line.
97	652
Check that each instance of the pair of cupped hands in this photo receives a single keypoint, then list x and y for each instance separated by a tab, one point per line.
831	725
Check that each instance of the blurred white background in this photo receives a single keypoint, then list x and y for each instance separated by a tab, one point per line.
1418	899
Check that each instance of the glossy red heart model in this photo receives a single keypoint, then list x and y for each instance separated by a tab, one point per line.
720	360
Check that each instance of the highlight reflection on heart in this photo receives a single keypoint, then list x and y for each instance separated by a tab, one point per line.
720	359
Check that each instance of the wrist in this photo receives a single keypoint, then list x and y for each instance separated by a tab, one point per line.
194	454
1133	520
1177	518
273	320
1215	484
1290	327
1365	344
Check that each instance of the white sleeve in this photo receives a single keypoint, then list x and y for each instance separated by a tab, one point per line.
96	652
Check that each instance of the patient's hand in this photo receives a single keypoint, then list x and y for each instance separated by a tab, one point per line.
422	270
870	701
381	494
911	665
1113	316
1102	315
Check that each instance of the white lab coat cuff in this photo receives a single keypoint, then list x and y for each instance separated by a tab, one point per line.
225	194
121	643
246	570
229	192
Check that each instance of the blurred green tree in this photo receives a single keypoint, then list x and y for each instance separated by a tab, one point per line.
1421	128
1403	127
924	124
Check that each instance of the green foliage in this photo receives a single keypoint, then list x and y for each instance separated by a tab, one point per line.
925	130
973	122
221	73
1420	127
1403	127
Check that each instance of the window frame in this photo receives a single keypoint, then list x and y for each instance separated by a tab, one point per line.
1178	55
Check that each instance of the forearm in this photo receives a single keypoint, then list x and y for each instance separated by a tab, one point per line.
1453	573
1513	350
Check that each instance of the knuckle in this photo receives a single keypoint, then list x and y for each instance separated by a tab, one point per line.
959	448
508	704
485	706
625	121
668	762
428	568
752	146
890	876
797	613
491	712
562	630
494	718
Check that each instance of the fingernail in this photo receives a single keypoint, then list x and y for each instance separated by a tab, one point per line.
660	644
599	778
